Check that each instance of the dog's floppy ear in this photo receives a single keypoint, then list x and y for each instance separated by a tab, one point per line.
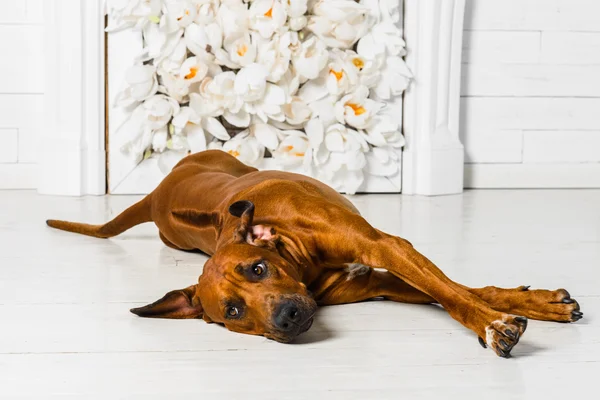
244	210
178	304
257	235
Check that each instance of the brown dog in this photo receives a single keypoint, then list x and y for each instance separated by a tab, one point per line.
277	237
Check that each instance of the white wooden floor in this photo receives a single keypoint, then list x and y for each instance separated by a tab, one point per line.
66	332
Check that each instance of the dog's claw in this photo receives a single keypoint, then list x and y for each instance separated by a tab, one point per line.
510	334
525	288
482	342
568	300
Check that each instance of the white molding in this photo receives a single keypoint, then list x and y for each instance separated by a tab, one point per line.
433	156
532	176
72	155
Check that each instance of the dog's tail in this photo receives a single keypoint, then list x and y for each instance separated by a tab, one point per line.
134	215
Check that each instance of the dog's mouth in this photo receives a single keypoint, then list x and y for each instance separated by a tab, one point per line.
288	337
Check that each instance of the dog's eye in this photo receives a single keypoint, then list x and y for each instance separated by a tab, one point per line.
233	311
259	268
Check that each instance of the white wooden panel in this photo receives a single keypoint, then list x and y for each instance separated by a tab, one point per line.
12	11
9	150
18	176
28	144
493	146
22	66
561	146
21	110
558	15
578	48
522	80
529	114
35	11
532	176
501	47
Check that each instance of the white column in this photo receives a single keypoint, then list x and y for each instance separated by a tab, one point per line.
71	154
433	156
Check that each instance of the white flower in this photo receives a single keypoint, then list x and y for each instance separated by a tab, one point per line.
172	62
206	10
310	59
298	23
267	17
178	86
179	14
342	72
233	17
275	55
382	161
294	150
295	8
355	109
215	95
189	124
339	156
132	13
339	23
251	82
383	36
296	112
158	110
158	44
241	51
141	85
202	39
244	147
270	105
383	131
394	79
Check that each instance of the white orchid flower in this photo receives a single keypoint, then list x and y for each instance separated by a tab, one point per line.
251	82
384	36
267	17
178	14
295	8
215	95
178	86
297	112
270	105
141	84
158	110
193	70
389	10
186	123
203	39
293	151
394	79
310	59
157	43
241	51
275	54
206	10
234	17
382	161
384	131
243	146
132	13
172	62
356	109
342	72
339	23
298	23
266	134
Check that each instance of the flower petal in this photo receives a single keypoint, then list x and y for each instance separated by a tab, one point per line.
215	128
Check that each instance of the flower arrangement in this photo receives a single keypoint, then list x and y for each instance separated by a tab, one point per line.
300	81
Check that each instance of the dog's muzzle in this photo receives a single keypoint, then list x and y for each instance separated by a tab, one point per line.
292	316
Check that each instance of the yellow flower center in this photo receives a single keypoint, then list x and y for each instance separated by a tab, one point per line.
357	108
187	12
290	148
192	74
269	14
358	63
338	74
242	50
234	153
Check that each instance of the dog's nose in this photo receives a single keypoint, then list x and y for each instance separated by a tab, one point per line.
288	316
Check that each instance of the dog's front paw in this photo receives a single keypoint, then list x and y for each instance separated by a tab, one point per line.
503	334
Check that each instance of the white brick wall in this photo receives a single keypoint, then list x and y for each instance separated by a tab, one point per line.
21	90
531	93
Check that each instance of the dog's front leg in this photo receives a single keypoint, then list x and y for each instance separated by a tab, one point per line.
355	240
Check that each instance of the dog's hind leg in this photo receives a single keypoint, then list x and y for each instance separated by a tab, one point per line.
134	215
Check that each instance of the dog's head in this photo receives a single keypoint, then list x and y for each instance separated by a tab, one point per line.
246	286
